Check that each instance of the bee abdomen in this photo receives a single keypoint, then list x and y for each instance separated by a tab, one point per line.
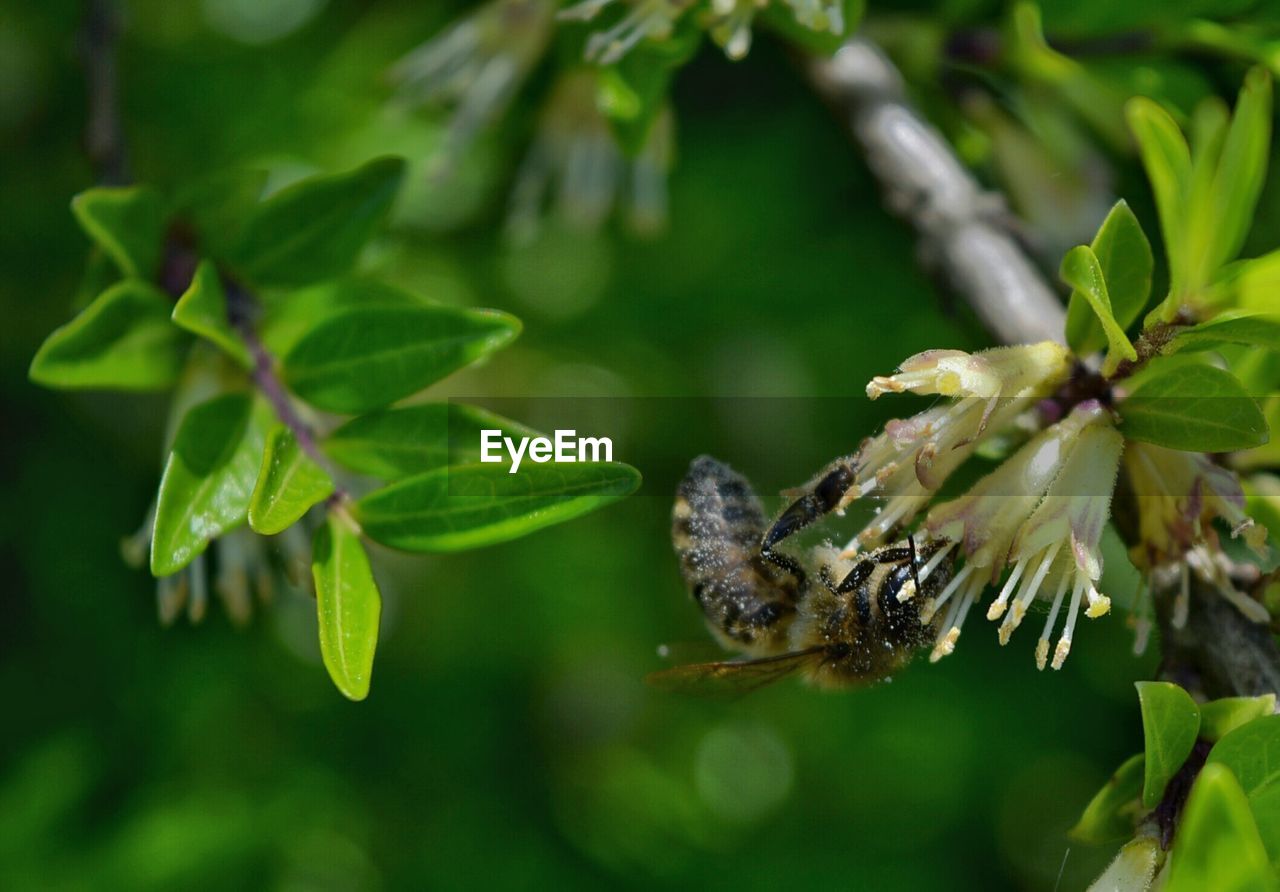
717	524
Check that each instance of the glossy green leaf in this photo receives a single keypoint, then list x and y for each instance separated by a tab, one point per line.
123	340
395	443
365	359
450	509
1252	753
315	229
1083	272
291	316
208	479
1217	846
1167	160
289	483
1194	407
1124	255
1233	327
348	605
1242	167
1209	125
202	310
1114	810
128	223
1220	717
1170	723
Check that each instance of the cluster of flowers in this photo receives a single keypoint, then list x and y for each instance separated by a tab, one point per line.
478	64
728	21
1040	514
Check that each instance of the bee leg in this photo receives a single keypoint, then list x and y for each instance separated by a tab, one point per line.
855	577
824	497
788	563
865	567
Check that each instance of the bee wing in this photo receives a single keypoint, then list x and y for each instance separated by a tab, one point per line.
734	676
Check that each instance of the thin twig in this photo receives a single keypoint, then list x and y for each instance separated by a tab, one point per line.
104	133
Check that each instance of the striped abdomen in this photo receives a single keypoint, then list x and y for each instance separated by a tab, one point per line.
717	525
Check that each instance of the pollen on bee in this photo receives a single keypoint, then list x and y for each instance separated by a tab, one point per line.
907	592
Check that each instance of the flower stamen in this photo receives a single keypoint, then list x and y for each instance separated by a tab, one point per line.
1042	646
1028	593
1064	643
933	562
946	593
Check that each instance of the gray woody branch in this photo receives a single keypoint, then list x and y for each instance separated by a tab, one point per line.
925	183
1218	652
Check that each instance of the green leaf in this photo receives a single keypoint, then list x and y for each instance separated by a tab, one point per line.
1242	167
1198	408
218	205
202	310
1167	160
1083	272
1113	811
127	223
1217	845
395	443
365	359
348	605
1170	723
314	229
290	317
1232	327
123	340
1208	133
1220	717
208	479
450	509
1252	753
1124	255
289	483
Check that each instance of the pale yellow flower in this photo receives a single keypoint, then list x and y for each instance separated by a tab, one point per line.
1040	513
912	458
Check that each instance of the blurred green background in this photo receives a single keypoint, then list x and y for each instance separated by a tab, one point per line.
509	739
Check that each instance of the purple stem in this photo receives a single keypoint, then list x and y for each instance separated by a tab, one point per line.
241	309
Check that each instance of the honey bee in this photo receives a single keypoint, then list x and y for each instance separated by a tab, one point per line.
850	627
